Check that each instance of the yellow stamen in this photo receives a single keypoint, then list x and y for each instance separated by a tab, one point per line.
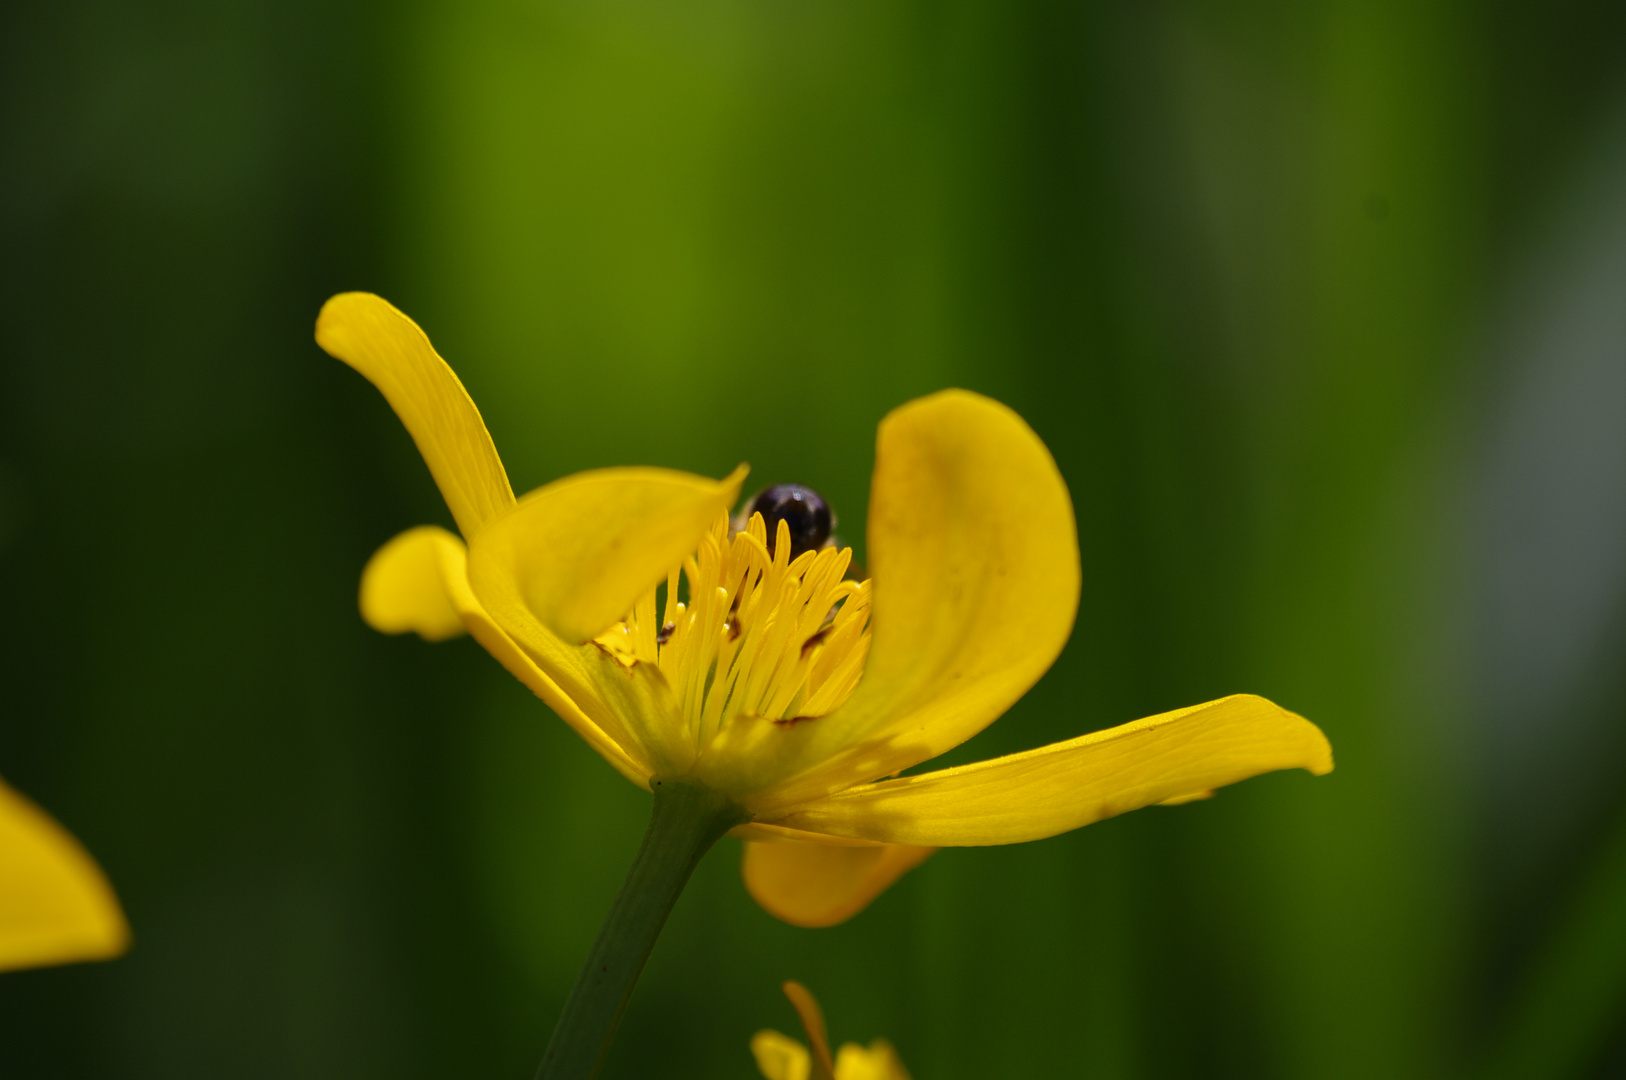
763	635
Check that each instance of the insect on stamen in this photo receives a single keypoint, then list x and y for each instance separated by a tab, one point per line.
802	510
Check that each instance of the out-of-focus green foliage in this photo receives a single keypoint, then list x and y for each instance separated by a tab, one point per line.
1318	306
1569	1008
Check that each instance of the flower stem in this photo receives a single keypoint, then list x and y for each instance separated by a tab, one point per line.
687	820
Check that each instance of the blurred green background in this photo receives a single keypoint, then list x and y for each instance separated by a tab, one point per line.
1321	307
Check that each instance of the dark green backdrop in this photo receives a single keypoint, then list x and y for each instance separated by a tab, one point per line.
1319	306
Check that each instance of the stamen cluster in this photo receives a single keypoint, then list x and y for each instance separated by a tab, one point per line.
761	634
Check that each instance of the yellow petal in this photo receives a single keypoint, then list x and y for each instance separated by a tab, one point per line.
55	905
812	884
367	333
780	1057
416	579
974	560
1065	785
580	551
878	1061
570	560
647	711
403	589
761	831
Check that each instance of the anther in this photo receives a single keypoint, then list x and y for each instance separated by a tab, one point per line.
817	639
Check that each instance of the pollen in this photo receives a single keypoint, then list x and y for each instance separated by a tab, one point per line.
761	634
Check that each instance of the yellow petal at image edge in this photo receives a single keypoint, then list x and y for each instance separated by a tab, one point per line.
55	905
815	885
419	582
974	555
580	551
780	1057
877	1061
1066	785
370	335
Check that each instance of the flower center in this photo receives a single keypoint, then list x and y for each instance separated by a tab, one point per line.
762	633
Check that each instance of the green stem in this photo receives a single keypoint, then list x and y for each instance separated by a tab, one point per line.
686	821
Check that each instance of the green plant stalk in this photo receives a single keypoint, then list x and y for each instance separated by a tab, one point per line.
686	821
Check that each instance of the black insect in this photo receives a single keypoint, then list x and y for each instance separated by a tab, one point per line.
802	510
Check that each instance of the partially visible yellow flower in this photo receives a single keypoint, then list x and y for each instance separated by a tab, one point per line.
55	905
778	683
782	1058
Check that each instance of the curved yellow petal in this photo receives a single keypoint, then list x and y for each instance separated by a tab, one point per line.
812	884
1063	786
780	1057
973	553
403	588
581	551
877	1061
373	337
55	905
572	559
420	576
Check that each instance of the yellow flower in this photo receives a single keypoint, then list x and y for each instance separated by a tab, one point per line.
750	687
782	1058
55	905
